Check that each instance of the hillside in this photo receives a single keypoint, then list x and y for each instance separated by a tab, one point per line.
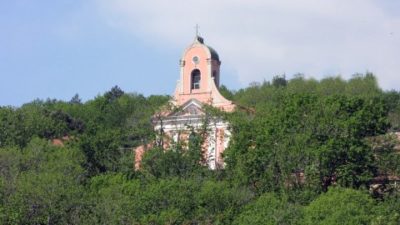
303	151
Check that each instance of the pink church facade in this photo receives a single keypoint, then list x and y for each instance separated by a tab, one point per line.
197	86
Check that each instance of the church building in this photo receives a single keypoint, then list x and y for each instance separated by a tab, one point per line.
197	86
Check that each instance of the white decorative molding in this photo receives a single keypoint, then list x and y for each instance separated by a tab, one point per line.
211	151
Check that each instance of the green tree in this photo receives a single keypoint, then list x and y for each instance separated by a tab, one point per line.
46	188
113	199
279	81
102	151
75	99
388	211
228	94
114	94
340	206
218	202
269	209
322	137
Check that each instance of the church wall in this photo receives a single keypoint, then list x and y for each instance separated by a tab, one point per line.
214	141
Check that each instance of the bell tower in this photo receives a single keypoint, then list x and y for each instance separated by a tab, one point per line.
199	66
199	75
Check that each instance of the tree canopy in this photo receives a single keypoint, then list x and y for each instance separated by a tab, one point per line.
302	151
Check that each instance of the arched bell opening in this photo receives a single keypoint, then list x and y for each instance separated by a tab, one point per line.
195	79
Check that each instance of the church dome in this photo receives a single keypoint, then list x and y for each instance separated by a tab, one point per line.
214	54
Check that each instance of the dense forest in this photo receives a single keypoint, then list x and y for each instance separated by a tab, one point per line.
302	151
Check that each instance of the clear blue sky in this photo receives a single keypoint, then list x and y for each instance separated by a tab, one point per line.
47	50
55	49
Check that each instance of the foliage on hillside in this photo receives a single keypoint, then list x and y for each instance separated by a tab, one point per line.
302	152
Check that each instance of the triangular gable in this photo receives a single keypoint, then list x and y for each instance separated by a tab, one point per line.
191	107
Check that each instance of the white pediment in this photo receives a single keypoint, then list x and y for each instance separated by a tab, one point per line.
192	107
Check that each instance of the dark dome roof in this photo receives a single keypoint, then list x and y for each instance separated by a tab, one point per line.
214	54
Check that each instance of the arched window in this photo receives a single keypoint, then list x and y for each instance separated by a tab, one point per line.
196	77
